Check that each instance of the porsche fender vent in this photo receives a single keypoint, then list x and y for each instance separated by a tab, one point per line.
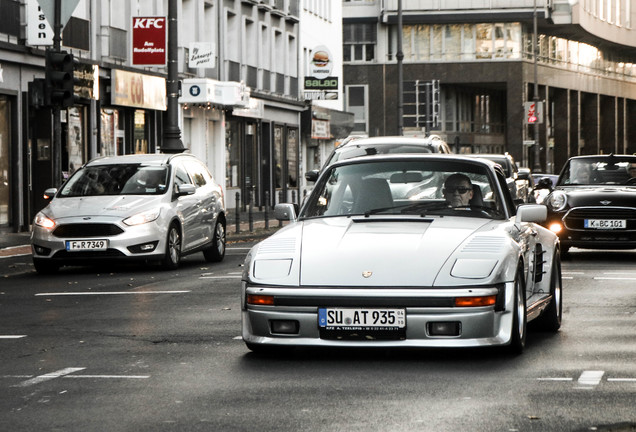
278	245
484	245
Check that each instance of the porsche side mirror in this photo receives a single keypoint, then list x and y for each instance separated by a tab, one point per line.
285	211
537	213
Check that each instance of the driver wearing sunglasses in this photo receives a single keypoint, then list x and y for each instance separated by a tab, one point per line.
458	190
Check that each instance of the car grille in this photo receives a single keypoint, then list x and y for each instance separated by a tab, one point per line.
575	218
87	230
110	253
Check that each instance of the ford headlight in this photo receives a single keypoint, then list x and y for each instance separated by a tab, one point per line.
44	221
557	201
143	217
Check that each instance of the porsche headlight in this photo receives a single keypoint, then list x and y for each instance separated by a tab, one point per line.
143	217
44	221
557	201
272	268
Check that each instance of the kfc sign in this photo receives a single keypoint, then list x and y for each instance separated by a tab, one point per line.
149	41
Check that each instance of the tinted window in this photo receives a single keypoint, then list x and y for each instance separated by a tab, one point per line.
117	179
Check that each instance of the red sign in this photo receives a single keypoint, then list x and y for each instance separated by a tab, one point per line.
149	40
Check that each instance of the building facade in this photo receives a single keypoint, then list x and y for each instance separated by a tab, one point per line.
246	125
470	71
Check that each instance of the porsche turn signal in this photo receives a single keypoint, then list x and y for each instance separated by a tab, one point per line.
475	301
262	300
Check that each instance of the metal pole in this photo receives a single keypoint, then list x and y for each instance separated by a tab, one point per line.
400	57
57	112
535	96
171	132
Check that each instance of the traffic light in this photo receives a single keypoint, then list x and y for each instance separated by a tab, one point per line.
59	79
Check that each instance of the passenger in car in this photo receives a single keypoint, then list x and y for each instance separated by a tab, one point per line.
458	190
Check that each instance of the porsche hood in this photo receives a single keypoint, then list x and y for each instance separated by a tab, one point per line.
372	251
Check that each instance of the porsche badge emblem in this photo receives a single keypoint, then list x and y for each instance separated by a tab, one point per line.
605	202
367	274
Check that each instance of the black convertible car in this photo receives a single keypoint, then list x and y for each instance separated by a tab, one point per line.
593	204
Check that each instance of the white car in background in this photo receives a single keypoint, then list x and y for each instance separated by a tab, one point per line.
150	207
374	259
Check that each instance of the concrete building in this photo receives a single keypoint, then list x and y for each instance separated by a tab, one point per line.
239	109
480	54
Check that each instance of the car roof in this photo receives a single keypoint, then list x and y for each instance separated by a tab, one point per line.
393	140
151	158
416	156
603	156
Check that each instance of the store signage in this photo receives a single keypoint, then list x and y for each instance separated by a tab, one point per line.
39	31
138	90
329	83
201	55
86	81
320	95
533	112
205	90
320	63
320	129
149	38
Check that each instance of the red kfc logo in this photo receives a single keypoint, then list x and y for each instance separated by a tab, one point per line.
149	41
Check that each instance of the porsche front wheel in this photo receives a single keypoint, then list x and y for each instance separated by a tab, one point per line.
519	320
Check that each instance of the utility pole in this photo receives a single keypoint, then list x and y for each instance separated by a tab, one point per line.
400	57
57	113
535	94
171	133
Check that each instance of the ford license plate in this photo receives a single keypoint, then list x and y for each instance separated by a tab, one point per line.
605	223
361	319
86	245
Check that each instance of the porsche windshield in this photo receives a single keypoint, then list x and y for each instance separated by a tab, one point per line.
116	179
406	187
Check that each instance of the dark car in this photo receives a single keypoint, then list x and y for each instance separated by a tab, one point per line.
593	204
519	182
357	146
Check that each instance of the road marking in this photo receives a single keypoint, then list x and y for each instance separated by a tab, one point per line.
567	277
620	273
47	377
12	336
590	378
109	376
108	293
573	273
220	277
614	278
555	379
621	379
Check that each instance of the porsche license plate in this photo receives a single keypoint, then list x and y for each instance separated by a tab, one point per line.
361	319
605	223
86	245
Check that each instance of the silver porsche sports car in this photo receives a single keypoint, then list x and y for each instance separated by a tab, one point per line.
404	251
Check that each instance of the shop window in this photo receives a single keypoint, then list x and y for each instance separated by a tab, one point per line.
278	156
233	155
140	132
5	111
75	140
292	157
356	96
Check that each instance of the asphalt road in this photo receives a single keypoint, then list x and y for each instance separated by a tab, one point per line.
142	349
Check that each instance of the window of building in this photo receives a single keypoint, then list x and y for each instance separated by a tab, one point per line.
359	41
292	157
356	98
483	42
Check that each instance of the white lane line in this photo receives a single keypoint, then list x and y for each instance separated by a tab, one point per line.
614	278
220	277
572	273
621	379
49	376
108	293
12	336
567	277
620	273
591	378
238	248
555	379
16	376
109	376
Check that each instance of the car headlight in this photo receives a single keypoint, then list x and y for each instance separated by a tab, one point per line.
557	201
44	221
143	217
272	268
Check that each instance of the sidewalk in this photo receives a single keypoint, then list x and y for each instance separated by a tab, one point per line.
13	243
